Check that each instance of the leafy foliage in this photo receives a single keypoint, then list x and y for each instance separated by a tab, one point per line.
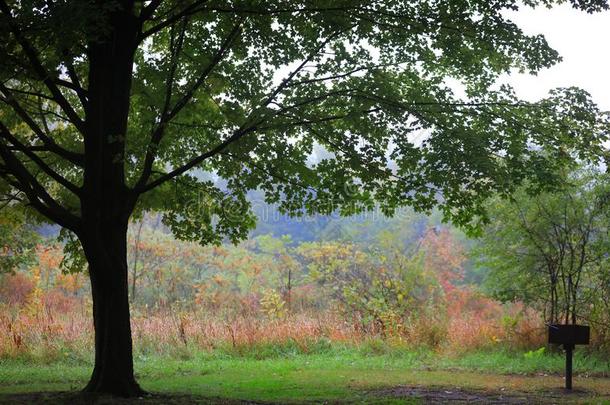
18	238
317	104
550	250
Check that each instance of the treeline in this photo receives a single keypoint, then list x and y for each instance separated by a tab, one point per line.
541	257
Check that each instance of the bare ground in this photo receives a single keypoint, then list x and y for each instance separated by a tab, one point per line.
423	394
73	398
458	395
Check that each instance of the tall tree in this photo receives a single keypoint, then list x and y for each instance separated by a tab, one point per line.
119	106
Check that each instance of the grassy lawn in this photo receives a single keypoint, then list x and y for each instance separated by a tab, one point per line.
336	376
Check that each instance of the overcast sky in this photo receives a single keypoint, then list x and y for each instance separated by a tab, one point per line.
583	40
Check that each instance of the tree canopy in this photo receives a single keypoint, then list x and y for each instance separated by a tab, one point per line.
316	103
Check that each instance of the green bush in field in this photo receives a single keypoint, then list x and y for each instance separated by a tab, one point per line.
385	291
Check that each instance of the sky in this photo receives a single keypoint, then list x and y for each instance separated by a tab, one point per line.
583	40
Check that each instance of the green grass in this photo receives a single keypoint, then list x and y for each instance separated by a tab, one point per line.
335	374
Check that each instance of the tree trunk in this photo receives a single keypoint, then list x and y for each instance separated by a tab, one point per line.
289	288
134	270
106	203
113	370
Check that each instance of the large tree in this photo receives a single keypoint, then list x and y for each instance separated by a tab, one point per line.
110	108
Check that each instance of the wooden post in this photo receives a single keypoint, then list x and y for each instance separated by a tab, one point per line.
569	336
569	348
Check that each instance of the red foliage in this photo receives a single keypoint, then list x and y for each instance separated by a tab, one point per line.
57	301
15	288
444	255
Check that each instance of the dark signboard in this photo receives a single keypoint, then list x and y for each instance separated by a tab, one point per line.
569	334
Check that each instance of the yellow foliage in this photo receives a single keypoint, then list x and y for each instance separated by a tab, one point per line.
272	304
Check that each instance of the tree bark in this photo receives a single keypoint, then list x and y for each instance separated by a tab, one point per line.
113	370
106	202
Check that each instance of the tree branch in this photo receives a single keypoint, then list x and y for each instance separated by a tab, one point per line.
78	88
148	11
73	157
194	162
167	116
270	173
319	120
187	11
8	199
36	193
5	133
42	73
246	128
30	93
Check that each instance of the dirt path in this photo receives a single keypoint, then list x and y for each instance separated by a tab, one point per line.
425	394
457	395
71	398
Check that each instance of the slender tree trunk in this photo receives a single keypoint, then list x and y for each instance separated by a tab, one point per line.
134	270
289	288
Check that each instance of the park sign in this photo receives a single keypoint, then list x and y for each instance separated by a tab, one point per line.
569	336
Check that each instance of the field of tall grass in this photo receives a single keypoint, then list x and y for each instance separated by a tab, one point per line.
45	317
47	333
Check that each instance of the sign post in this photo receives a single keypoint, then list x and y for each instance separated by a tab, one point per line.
569	336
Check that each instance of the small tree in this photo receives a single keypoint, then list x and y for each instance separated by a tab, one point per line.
287	266
382	289
18	238
150	251
549	249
